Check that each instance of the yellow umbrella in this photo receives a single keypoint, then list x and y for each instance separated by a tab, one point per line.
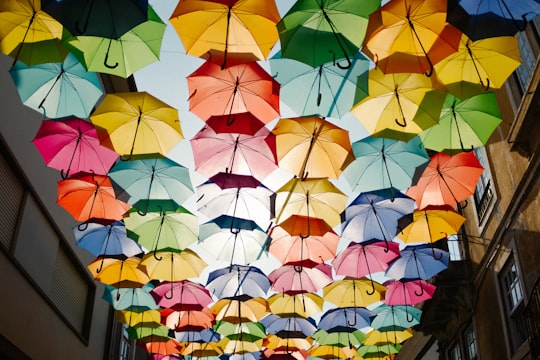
332	352
133	318
231	346
237	30
172	266
119	273
275	342
304	304
479	65
207	349
376	337
351	292
399	106
23	21
137	123
240	309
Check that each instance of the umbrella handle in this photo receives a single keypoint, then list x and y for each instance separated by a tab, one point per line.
82	226
461	207
411	318
421	289
156	257
372	288
347	65
434	255
298	268
64	175
98	270
486	86
354	322
105	62
125	157
142	213
402	124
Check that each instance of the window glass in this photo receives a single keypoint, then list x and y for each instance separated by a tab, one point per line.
470	343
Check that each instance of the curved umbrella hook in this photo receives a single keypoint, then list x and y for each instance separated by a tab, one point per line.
106	60
434	254
298	268
461	207
355	320
421	288
372	288
171	291
404	123
454	117
98	270
411	318
155	255
82	226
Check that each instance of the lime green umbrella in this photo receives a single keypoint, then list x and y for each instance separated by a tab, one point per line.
247	331
40	52
464	124
341	337
123	56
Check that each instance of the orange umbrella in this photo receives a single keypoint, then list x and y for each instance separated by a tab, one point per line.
163	345
89	196
119	273
187	320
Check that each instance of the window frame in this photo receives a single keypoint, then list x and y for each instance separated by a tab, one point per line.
484	203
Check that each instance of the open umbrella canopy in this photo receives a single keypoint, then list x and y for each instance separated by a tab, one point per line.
286	342
40	52
71	145
131	298
408	292
339	338
120	273
376	337
276	324
354	292
227	32
188	320
418	262
347	319
203	336
181	295
303	304
252	330
172	266
106	238
138	315
300	276
395	317
240	309
57	89
238	280
329	352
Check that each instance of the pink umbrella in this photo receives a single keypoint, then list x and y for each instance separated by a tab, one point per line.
181	295
71	145
408	292
301	276
365	258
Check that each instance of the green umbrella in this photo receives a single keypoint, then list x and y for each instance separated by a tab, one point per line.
246	331
139	332
346	337
378	351
122	57
320	31
464	124
40	52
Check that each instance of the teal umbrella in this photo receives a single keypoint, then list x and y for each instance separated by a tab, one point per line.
138	299
384	163
464	124
57	89
395	317
326	90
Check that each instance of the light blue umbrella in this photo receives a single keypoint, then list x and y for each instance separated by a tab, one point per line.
384	163
106	239
57	89
346	319
237	280
138	299
326	90
395	317
418	262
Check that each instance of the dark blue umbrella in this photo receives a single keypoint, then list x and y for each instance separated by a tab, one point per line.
237	280
418	262
346	319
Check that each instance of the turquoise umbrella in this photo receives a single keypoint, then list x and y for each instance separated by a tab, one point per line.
57	89
384	163
130	298
326	90
395	317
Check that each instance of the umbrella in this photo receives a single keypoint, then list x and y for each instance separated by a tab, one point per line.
377	351
131	298
410	36
40	52
237	280
242	347
365	258
303	304
312	147
241	123
399	106
418	262
163	229
122	57
300	276
181	295
106	239
88	196
395	317
334	29
202	350
276	324
98	17
326	90
447	180
271	354
241	331
203	336
354	292
236	89
330	352
190	320
287	342
232	239
346	319
23	21
375	214
339	338
408	292
238	154
227	32
384	163
137	123
240	309
318	198
464	124
376	337
71	145
491	18
173	266
147	331
162	345
137	315
120	273
57	89
478	66
155	177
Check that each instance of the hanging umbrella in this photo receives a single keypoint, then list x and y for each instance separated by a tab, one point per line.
375	215
491	18
377	351
181	295
339	338
447	180
376	337
354	292
312	147
383	163
241	123
57	89
464	124
236	197
271	354
238	280
335	29
241	331
71	145
130	298
227	32
479	66
137	123
365	258
302	305
137	315
88	196
163	229
275	324
98	17
318	198
162	345
236	89
239	154
154	177
326	90
395	317
410	36
408	292
287	342
172	266
122	57
400	105
120	273
190	320
230	346
346	319
23	21
147	331
40	52
300	276
202	350
418	262
232	239
240	309
203	336
107	238
329	352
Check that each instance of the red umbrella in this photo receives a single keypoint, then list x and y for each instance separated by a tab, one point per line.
239	154
301	276
408	292
181	295
447	180
236	89
71	145
241	123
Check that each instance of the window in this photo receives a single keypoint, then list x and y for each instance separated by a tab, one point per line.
455	248
124	345
528	61
483	194
470	343
455	352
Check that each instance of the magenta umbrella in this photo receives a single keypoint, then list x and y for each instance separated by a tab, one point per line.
301	276
408	292
181	295
71	145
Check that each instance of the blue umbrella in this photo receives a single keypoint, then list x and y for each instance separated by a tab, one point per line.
418	262
237	280
346	319
106	239
57	89
275	324
203	336
396	317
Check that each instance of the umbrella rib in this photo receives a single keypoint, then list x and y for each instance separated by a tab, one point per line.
34	13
